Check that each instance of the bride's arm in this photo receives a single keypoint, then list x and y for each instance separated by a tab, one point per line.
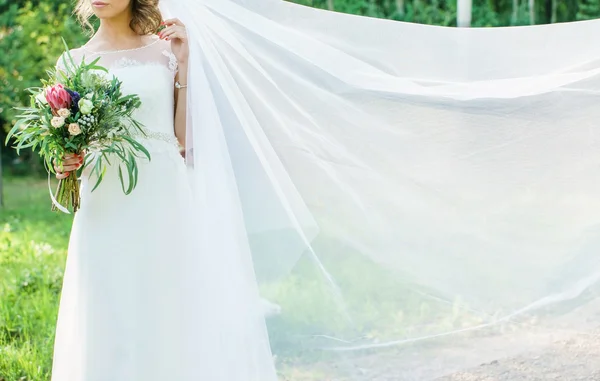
181	103
176	33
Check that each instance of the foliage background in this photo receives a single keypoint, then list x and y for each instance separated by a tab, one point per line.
30	43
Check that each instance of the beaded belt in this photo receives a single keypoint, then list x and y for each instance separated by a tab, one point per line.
149	134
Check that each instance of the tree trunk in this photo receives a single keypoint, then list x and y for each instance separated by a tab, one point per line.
554	11
532	12
515	12
330	5
463	19
400	7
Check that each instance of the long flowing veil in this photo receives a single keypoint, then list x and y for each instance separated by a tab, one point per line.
416	199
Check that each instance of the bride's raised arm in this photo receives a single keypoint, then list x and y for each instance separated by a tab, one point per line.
176	33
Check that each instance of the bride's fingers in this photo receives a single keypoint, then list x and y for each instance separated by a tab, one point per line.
73	159
176	35
166	32
67	168
174	21
61	173
173	32
69	165
171	28
72	162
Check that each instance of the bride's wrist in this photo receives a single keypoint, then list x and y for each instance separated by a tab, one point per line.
182	70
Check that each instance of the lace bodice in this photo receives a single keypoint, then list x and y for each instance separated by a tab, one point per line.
149	72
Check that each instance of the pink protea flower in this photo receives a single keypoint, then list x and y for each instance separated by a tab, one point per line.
58	97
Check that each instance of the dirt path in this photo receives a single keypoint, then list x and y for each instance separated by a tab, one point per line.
572	360
564	356
529	353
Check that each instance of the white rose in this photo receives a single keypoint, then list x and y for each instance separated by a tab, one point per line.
41	97
89	95
63	113
85	106
74	129
57	122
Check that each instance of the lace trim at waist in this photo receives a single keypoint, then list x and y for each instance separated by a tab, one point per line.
155	135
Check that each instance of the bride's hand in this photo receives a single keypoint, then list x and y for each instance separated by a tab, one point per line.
71	162
176	33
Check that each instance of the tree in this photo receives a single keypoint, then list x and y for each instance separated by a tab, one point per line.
515	12
588	9
400	7
465	9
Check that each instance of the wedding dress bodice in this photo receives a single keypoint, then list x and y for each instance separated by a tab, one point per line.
149	72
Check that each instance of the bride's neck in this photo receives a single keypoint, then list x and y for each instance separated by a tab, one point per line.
117	33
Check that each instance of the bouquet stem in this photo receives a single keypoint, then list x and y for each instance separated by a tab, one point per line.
67	193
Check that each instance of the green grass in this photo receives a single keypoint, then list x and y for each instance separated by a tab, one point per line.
33	245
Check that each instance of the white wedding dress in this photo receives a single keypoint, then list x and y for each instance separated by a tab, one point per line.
140	300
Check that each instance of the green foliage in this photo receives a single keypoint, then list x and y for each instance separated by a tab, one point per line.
486	13
30	42
588	9
30	32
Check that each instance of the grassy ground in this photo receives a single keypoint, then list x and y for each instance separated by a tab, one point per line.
33	244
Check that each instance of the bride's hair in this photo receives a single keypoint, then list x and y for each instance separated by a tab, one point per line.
146	15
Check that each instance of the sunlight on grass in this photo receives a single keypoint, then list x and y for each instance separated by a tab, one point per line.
33	244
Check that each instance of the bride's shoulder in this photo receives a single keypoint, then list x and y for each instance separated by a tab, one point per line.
160	46
75	54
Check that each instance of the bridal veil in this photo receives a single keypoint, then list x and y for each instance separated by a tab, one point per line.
416	199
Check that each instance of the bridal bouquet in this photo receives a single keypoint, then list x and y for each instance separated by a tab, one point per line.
81	110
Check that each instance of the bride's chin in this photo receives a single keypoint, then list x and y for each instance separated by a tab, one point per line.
103	15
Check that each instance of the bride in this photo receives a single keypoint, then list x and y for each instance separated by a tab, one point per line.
144	298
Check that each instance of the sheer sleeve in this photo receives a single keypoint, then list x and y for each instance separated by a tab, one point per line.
60	63
63	60
173	65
